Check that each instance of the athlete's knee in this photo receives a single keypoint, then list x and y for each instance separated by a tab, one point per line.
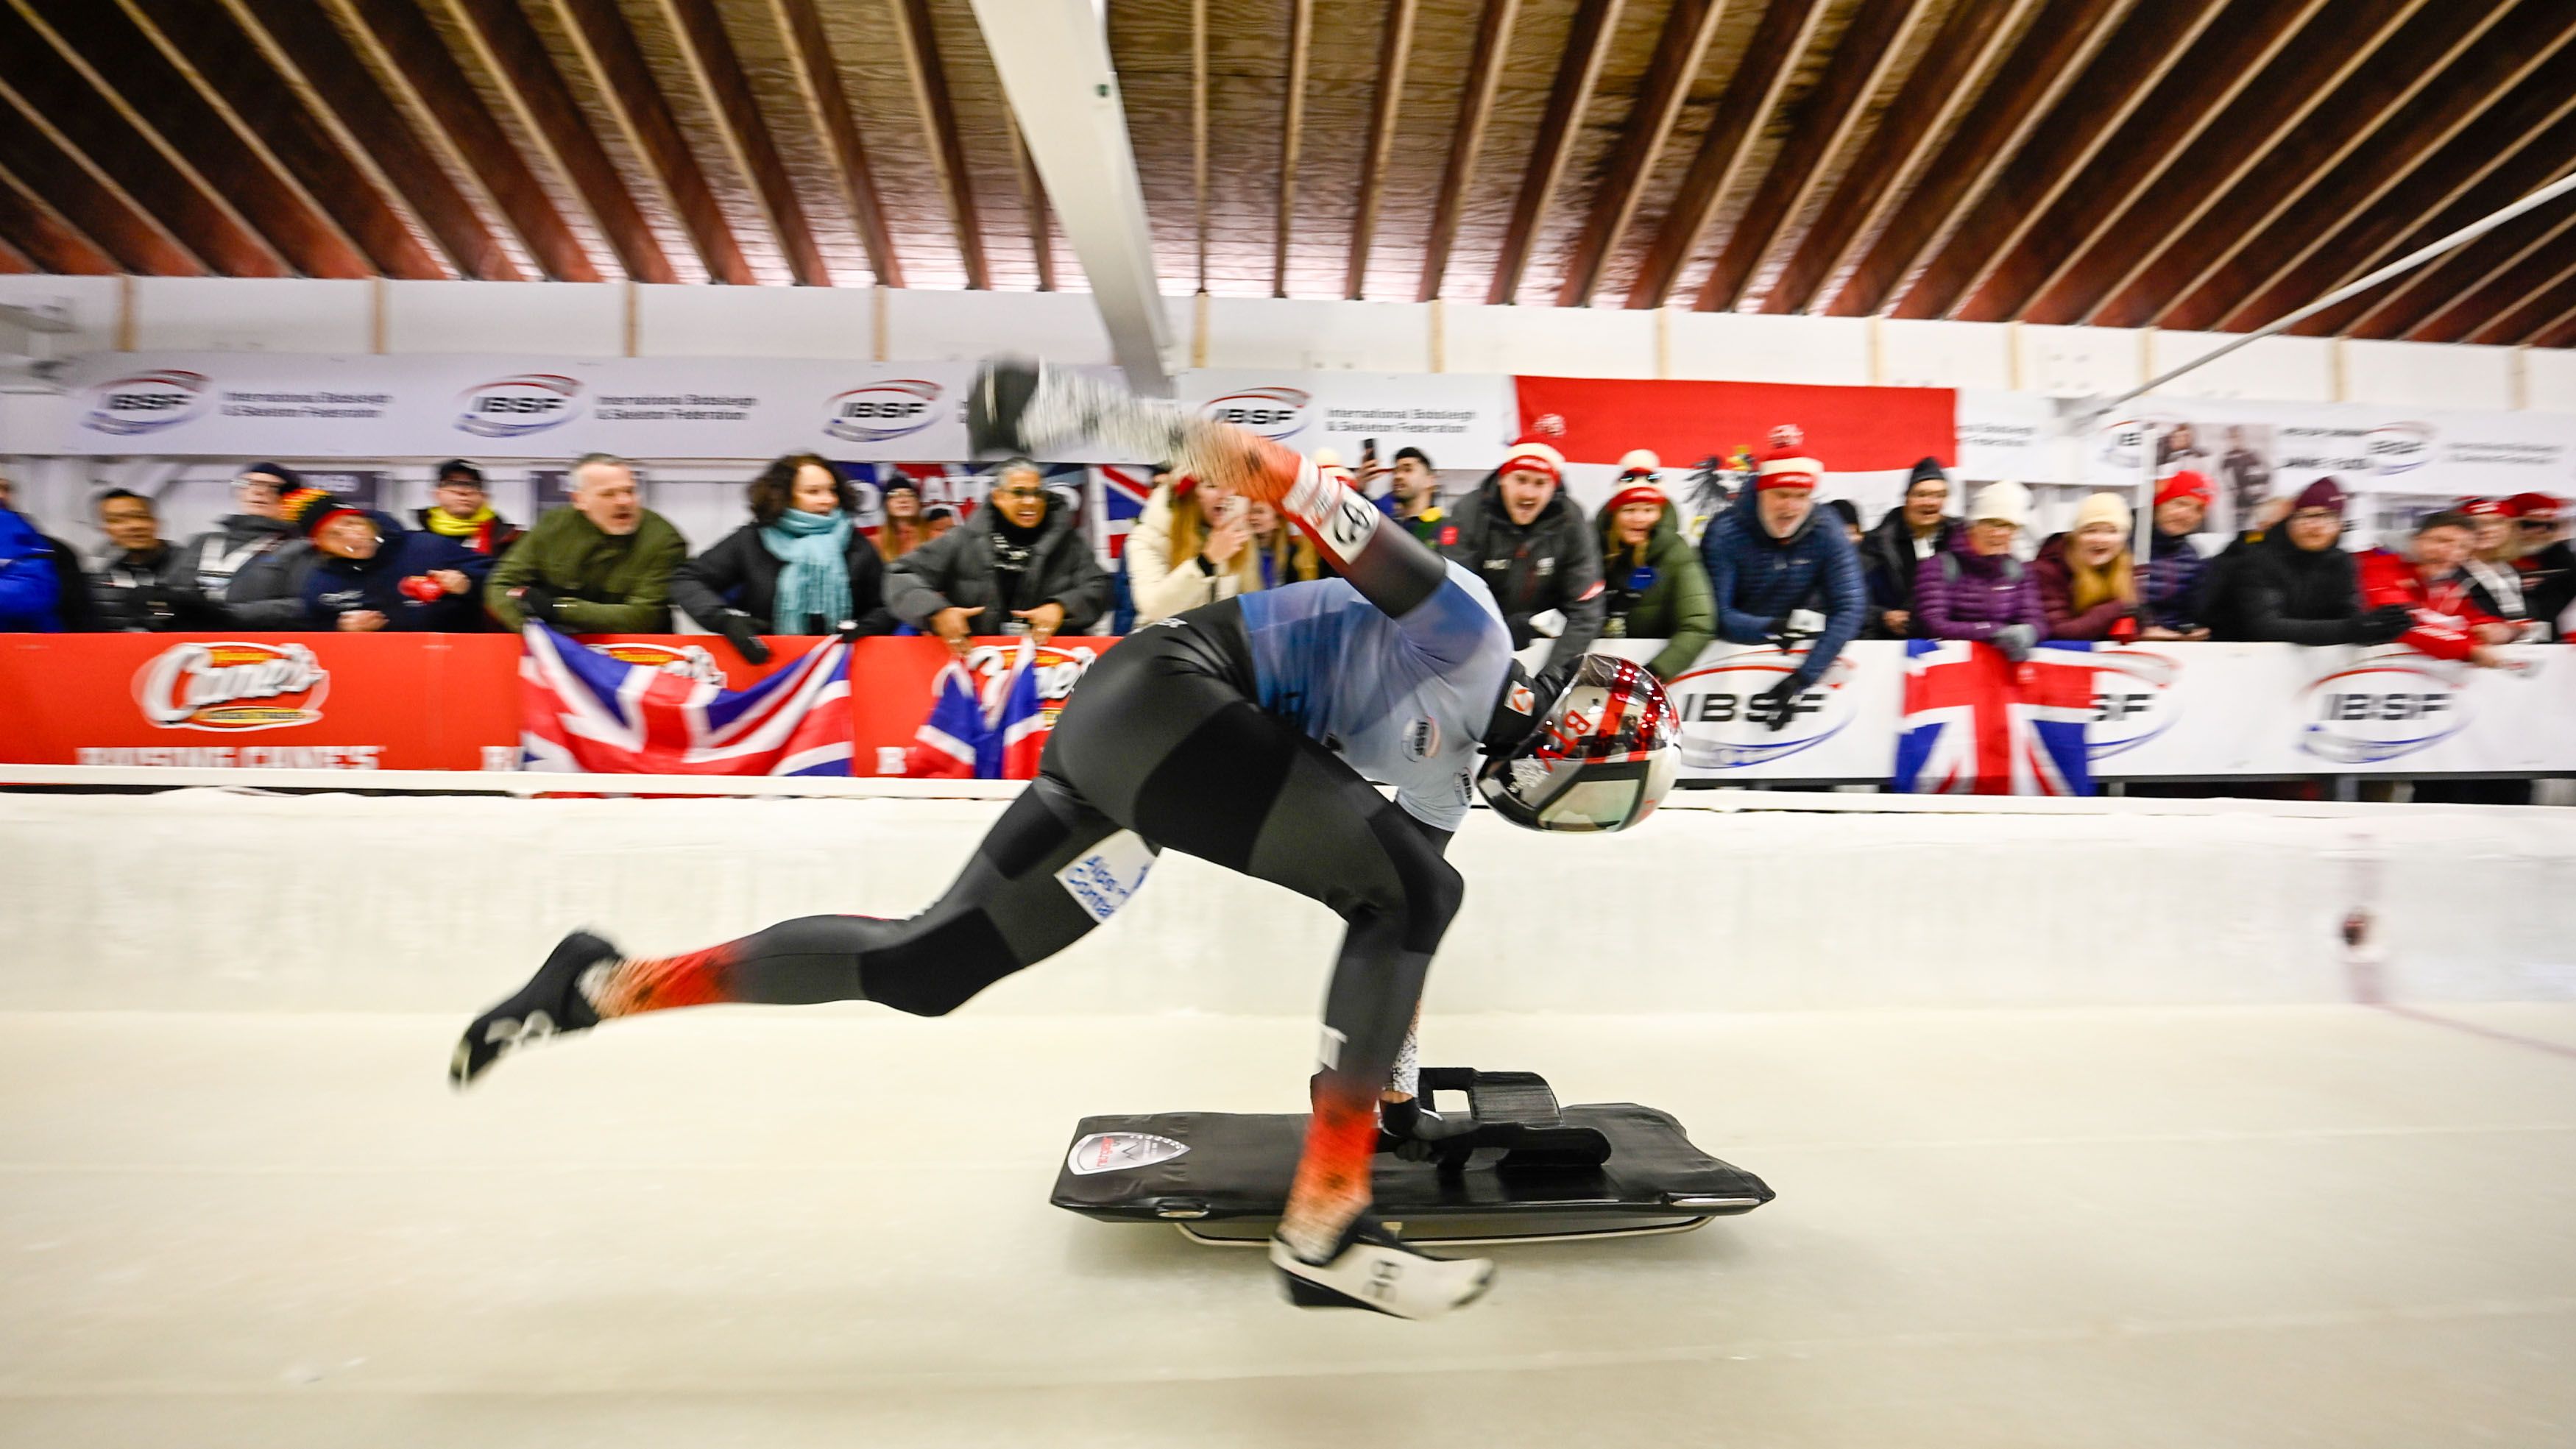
1417	887
933	969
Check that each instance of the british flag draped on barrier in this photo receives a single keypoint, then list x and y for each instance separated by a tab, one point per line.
998	737
1978	724
585	710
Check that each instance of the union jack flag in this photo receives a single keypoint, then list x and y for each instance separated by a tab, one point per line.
584	710
1978	724
996	737
1123	495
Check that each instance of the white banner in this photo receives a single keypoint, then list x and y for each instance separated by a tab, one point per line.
1461	420
2162	711
276	405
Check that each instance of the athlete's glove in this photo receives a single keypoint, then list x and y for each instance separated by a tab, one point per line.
1415	1132
1783	700
735	625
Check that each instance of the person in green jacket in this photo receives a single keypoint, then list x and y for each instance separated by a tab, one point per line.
602	566
1653	582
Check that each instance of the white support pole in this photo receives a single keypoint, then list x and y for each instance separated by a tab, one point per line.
1054	62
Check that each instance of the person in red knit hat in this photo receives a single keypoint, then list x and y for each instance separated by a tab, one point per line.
1779	577
2444	618
1535	550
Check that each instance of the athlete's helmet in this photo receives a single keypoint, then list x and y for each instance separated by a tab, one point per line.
1601	757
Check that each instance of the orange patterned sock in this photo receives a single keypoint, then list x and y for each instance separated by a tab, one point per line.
1333	1177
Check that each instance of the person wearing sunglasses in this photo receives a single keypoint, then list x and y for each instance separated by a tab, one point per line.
1018	566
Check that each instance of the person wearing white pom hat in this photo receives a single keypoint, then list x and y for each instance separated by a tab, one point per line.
1534	549
1650	575
1982	593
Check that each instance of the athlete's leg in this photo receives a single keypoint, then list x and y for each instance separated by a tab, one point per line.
1007	910
1242	789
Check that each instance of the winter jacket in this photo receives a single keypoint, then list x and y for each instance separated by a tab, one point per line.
2269	589
254	567
1425	526
492	537
740	575
1161	587
2549	584
1970	595
1666	597
1756	580
2496	588
30	588
1888	565
2175	576
1554	563
607	583
955	570
2056	575
2445	615
337	585
146	592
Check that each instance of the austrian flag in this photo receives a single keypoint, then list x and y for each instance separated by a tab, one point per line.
1978	724
585	710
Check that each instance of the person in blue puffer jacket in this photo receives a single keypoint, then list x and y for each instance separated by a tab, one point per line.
1772	559
30	590
371	573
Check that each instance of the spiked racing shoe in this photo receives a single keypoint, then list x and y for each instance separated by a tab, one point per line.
551	1004
1374	1269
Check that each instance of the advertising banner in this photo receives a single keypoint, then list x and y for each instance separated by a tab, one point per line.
280	405
1461	420
452	702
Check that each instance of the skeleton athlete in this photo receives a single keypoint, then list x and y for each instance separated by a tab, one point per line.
1245	733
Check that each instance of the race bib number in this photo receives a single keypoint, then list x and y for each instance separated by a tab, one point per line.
1101	880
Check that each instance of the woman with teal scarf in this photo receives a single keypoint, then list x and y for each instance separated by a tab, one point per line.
801	566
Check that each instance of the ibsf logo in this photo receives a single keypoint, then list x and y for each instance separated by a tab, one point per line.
145	403
883	411
1058	671
2385	706
2132	700
514	407
1727	724
2123	441
691	663
2395	448
232	685
1276	413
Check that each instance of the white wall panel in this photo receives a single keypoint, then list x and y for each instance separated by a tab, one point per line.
572	319
2428	375
2295	369
1737	347
1944	354
253	314
89	302
824	322
2549	379
2079	361
1548	341
1318	335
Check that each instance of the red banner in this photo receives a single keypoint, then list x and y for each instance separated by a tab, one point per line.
1849	429
402	701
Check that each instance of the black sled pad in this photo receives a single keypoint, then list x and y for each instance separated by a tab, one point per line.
1525	1170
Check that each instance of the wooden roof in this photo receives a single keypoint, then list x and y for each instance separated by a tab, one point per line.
2178	163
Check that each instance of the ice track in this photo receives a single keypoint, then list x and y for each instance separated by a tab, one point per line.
2212	1227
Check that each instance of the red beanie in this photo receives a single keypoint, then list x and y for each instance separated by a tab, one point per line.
1787	468
310	508
1642	491
1532	456
2184	484
2485	508
2536	506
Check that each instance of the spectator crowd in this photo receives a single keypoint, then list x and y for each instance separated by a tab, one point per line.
1771	566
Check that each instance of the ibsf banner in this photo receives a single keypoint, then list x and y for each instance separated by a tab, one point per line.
1459	420
283	405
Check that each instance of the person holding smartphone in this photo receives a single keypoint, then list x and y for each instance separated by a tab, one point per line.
1193	546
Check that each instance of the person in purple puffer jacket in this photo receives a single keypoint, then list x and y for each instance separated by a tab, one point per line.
1981	592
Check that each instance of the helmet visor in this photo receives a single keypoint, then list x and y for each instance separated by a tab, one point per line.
1592	805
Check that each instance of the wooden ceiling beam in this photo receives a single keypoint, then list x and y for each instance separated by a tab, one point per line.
511	49
1969	40
207	43
2384	71
2392	311
1826	119
920	45
1688	28
1394	53
104	43
1199	133
2147	151
1578	70
829	100
2055	47
626	84
2560	332
302	41
2522	262
44	238
1292	127
2540	314
2535	120
2147	43
718	68
83	122
1466	138
94	210
413	53
14	262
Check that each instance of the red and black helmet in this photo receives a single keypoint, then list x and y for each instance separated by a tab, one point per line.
1601	758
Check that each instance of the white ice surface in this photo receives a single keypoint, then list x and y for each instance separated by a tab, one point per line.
2208	1227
